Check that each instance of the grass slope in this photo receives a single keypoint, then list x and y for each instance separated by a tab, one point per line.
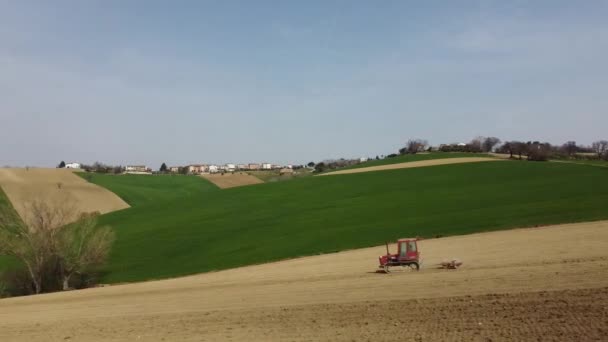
138	190
7	207
228	228
411	158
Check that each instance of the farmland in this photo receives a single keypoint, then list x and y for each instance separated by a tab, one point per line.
411	158
22	186
232	179
556	279
139	190
212	229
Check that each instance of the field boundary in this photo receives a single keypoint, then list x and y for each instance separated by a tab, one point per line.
413	164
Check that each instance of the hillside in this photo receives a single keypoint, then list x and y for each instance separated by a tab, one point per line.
410	158
25	185
139	190
411	164
558	273
168	235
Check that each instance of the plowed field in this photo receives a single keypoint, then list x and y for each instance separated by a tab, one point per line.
547	283
22	186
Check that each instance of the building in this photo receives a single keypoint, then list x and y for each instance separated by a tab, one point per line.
174	169
213	168
197	168
363	159
136	168
241	167
72	166
266	166
230	167
254	167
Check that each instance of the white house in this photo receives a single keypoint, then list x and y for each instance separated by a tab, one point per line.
197	168
266	166
213	168
230	167
136	168
72	166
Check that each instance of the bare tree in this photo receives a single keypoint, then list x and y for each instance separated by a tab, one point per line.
488	143
570	148
475	144
21	242
413	146
518	147
538	151
45	239
82	246
600	147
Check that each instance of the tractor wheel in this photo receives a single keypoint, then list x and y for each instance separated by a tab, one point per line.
386	269
414	266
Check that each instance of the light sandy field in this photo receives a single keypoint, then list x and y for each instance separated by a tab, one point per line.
407	165
231	180
529	284
22	186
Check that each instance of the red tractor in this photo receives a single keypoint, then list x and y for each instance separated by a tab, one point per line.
407	256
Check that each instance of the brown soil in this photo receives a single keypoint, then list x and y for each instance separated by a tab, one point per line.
231	180
53	185
407	165
527	284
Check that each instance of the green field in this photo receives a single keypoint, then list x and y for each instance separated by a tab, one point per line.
139	190
275	176
600	162
167	235
411	158
7	207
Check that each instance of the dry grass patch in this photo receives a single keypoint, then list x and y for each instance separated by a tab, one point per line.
231	180
407	165
27	185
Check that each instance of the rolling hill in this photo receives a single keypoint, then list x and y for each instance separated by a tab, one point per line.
173	231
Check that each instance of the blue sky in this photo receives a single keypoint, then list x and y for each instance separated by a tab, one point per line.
293	81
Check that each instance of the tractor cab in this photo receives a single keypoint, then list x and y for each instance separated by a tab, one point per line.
408	249
407	255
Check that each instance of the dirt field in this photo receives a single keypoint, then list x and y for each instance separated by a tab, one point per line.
530	284
21	186
229	180
407	165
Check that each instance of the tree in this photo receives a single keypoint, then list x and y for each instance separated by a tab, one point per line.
31	240
475	145
488	144
413	146
53	241
570	148
507	148
320	167
600	147
518	147
82	247
311	164
163	168
538	151
61	165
